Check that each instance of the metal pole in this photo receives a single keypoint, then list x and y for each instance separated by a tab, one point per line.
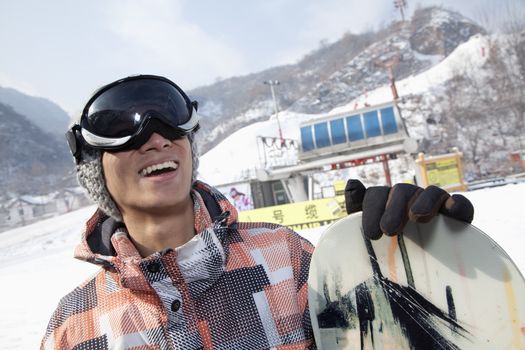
272	83
274	100
389	64
386	168
401	4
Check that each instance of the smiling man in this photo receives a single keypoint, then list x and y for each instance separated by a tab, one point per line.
178	271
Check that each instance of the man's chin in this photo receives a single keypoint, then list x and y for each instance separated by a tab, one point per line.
163	206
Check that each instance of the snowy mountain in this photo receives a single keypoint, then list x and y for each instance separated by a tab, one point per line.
33	153
468	96
426	107
432	34
31	160
335	73
42	112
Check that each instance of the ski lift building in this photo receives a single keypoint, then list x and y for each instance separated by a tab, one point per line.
339	140
373	128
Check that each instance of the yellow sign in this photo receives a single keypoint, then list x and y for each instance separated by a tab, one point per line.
339	187
299	216
445	171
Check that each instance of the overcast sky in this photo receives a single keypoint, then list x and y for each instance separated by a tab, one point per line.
64	49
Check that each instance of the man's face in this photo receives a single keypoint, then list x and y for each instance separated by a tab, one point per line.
154	178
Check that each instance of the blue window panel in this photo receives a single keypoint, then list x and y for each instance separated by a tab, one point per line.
355	129
337	128
372	124
307	138
388	119
321	135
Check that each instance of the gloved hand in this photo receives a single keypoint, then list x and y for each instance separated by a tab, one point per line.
387	210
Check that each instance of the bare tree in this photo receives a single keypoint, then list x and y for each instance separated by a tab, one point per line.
506	21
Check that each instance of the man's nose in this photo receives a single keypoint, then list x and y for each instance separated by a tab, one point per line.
155	142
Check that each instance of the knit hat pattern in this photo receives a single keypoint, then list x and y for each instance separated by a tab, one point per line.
90	175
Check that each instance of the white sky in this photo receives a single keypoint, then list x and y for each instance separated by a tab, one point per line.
63	50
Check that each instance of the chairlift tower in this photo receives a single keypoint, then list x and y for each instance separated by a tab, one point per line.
401	5
390	64
273	83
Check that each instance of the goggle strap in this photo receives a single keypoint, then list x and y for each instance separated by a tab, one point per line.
74	142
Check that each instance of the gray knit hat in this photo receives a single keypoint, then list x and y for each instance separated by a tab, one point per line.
90	175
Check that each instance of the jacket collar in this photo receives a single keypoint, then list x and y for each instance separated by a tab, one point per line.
212	211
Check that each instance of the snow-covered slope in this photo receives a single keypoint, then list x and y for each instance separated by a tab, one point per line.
237	156
465	58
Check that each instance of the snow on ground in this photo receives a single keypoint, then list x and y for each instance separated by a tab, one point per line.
37	267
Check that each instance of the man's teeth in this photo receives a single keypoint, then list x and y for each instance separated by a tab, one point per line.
166	165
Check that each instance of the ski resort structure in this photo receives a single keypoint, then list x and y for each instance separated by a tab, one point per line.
335	141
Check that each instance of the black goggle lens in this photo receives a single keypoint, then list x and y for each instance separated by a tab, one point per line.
121	109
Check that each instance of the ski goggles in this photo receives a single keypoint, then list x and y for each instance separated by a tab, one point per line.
123	115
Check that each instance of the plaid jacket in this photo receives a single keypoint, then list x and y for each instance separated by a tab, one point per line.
233	286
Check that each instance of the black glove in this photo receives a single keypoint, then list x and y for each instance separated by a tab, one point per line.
387	210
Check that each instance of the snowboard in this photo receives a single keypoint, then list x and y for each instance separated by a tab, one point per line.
440	285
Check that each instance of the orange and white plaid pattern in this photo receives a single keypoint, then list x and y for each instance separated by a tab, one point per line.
233	286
